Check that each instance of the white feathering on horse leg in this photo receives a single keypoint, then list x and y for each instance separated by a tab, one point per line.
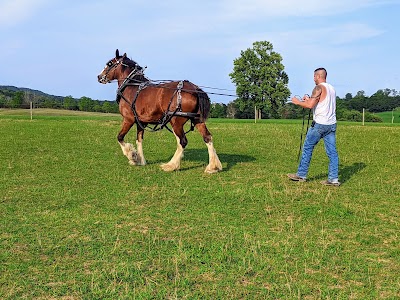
140	156
214	164
175	162
129	152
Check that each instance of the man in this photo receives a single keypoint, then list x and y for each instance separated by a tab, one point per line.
323	104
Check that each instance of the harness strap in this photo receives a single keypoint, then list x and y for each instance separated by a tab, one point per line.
168	114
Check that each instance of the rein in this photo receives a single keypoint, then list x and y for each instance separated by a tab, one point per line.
302	130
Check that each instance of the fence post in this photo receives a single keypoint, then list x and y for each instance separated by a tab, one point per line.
363	118
392	116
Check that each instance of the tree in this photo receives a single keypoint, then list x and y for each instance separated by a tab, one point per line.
70	103
358	102
107	108
3	101
360	94
348	96
85	104
218	110
17	100
260	79
231	110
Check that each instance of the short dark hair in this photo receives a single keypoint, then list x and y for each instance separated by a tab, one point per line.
322	69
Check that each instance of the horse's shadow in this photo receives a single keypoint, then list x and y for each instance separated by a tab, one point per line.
345	172
201	155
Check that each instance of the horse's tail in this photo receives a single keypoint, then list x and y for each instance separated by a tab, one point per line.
204	104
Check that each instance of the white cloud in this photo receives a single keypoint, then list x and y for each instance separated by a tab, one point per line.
16	11
239	9
341	34
348	33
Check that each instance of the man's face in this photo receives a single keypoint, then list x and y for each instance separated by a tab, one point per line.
316	77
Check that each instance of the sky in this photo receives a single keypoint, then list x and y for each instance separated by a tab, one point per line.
59	47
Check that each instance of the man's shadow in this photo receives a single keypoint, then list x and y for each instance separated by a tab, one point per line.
345	172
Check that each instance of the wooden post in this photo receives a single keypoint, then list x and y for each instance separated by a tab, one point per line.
31	109
255	114
392	116
363	117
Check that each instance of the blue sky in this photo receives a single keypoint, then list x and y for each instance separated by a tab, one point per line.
59	47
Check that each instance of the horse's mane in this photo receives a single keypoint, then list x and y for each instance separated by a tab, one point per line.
134	65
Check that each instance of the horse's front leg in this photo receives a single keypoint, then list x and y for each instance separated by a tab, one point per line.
139	143
175	162
127	149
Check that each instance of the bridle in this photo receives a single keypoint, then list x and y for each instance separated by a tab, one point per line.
111	66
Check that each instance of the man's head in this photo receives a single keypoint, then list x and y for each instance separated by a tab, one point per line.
320	75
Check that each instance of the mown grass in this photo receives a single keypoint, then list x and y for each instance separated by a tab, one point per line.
390	116
78	222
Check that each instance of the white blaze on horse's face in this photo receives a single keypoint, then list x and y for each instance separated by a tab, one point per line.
103	76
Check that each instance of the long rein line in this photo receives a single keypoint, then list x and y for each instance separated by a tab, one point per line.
158	83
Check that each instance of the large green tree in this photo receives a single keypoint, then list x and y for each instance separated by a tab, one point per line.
260	79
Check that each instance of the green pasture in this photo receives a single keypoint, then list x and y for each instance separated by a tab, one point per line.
78	222
389	116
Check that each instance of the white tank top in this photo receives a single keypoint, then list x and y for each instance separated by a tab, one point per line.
325	110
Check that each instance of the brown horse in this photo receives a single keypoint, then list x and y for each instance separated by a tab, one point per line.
145	102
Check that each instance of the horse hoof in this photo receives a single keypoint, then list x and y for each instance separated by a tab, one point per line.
211	171
132	163
167	168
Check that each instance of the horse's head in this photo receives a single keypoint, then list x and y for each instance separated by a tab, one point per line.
118	68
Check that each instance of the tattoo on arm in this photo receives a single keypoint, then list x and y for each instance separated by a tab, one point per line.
316	93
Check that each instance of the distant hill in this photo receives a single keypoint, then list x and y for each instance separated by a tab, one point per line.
20	97
30	91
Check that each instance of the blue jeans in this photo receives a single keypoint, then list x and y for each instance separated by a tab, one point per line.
314	134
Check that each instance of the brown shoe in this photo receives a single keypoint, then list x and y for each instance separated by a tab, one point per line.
294	177
330	183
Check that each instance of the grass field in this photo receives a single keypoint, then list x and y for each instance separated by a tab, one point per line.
78	222
389	116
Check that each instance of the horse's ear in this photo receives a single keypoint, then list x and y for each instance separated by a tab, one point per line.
124	55
117	54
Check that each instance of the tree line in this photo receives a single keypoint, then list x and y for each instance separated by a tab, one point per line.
348	108
12	97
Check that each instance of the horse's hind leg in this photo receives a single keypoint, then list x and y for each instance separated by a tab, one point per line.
175	162
214	164
127	149
140	160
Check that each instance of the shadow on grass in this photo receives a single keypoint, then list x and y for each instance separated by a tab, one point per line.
229	159
201	156
345	172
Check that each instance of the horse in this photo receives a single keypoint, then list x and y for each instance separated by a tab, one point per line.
149	103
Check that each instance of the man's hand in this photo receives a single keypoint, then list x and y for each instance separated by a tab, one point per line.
296	100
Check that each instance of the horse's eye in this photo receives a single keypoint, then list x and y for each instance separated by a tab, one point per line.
109	63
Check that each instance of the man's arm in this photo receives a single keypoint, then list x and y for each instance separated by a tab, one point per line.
309	102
